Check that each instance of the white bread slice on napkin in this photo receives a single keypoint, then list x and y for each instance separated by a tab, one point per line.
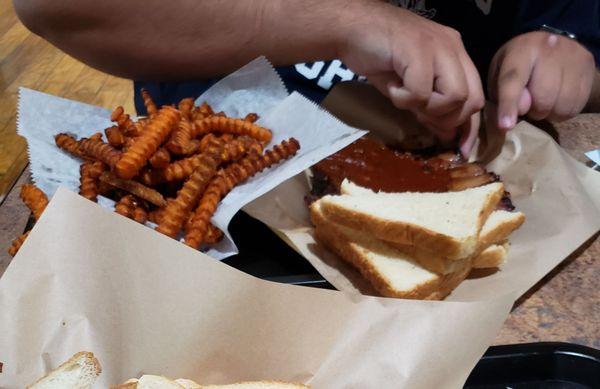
499	225
79	372
447	223
496	229
390	272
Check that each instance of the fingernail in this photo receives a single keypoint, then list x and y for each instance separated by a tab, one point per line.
466	149
507	122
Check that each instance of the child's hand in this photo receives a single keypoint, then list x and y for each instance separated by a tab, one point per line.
542	75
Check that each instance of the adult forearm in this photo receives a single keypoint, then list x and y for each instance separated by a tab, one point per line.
186	39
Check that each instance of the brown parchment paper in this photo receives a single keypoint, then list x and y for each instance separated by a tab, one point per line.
89	279
559	196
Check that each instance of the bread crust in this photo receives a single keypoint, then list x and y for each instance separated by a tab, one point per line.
410	234
332	238
82	354
438	264
494	256
429	260
296	385
501	232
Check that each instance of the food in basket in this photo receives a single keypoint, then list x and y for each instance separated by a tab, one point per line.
173	167
413	227
34	198
79	372
36	201
82	370
369	163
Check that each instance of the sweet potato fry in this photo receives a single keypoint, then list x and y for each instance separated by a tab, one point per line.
155	133
186	106
131	208
89	184
34	198
251	117
140	190
124	205
70	144
231	126
160	159
115	137
234	174
177	209
234	149
196	226
227	137
213	234
17	243
100	151
128	143
123	120
149	103
204	109
180	142
140	214
96	137
155	215
180	170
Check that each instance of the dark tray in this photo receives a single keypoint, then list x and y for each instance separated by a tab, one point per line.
537	365
263	254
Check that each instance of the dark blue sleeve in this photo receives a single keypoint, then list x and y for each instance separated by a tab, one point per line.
580	17
164	93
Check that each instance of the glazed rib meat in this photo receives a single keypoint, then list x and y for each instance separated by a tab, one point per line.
369	163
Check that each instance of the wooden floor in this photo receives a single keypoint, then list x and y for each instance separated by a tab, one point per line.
29	61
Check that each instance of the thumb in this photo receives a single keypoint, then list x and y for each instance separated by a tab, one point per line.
524	102
469	132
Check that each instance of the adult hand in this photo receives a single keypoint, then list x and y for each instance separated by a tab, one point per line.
420	65
541	75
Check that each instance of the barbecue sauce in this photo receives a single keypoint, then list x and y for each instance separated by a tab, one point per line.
371	164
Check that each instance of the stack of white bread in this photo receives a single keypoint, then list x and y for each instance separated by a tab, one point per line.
416	245
82	370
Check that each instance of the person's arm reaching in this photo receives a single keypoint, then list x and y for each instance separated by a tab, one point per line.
420	65
184	39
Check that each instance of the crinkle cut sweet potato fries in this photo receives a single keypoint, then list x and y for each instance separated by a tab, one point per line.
171	168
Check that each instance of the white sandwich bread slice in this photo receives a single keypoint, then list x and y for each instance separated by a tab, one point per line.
188	384
496	229
161	382
493	256
258	385
498	226
447	223
149	381
79	372
391	272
